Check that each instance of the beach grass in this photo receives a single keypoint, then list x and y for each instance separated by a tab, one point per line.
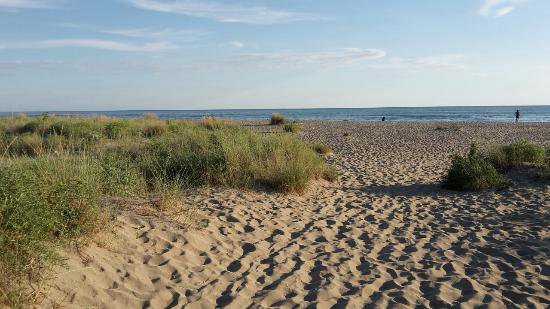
277	119
322	149
472	172
484	169
56	174
291	127
515	154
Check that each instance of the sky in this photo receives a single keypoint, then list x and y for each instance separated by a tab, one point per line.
214	54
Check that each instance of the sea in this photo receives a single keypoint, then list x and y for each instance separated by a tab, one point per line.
453	113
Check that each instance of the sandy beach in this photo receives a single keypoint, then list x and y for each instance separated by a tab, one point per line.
384	235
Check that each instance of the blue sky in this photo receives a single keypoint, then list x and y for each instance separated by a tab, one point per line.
203	54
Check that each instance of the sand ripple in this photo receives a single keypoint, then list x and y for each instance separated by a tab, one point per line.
385	235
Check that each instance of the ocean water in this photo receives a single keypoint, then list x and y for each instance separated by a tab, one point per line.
455	113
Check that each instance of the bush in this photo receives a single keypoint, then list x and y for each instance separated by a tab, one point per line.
234	157
213	123
150	116
291	127
26	145
154	130
277	119
322	149
43	202
515	154
120	174
117	129
34	126
471	173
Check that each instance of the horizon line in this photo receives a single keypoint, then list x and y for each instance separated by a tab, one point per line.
266	109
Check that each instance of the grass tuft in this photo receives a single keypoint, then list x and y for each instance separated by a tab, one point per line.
471	173
277	119
44	202
515	154
291	127
322	149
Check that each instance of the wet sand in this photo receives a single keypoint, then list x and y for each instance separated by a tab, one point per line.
384	235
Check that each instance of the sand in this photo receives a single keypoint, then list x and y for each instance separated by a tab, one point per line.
384	235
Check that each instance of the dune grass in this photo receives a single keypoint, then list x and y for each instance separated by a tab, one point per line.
57	175
44	202
291	127
482	170
277	119
322	149
472	172
515	154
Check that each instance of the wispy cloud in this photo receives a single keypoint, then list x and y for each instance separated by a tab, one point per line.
144	32
237	44
230	13
439	62
158	33
88	43
27	4
319	59
498	8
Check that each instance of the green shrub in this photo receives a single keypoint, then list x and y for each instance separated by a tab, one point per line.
291	127
191	158
26	145
233	157
33	126
513	155
277	119
117	129
471	173
154	130
120	174
43	202
73	128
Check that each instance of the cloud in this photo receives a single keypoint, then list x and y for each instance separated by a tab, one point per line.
27	4
440	62
88	43
237	44
320	59
158	33
222	12
498	8
145	32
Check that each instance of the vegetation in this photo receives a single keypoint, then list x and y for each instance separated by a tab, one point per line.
291	127
322	149
472	172
515	154
277	119
57	175
479	171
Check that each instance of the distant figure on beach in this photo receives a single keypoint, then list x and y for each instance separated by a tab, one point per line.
517	116
384	118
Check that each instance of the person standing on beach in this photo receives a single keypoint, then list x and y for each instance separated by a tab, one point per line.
517	116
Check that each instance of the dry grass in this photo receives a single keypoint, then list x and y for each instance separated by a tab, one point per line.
322	149
277	119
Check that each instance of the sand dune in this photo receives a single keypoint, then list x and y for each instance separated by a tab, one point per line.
384	235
